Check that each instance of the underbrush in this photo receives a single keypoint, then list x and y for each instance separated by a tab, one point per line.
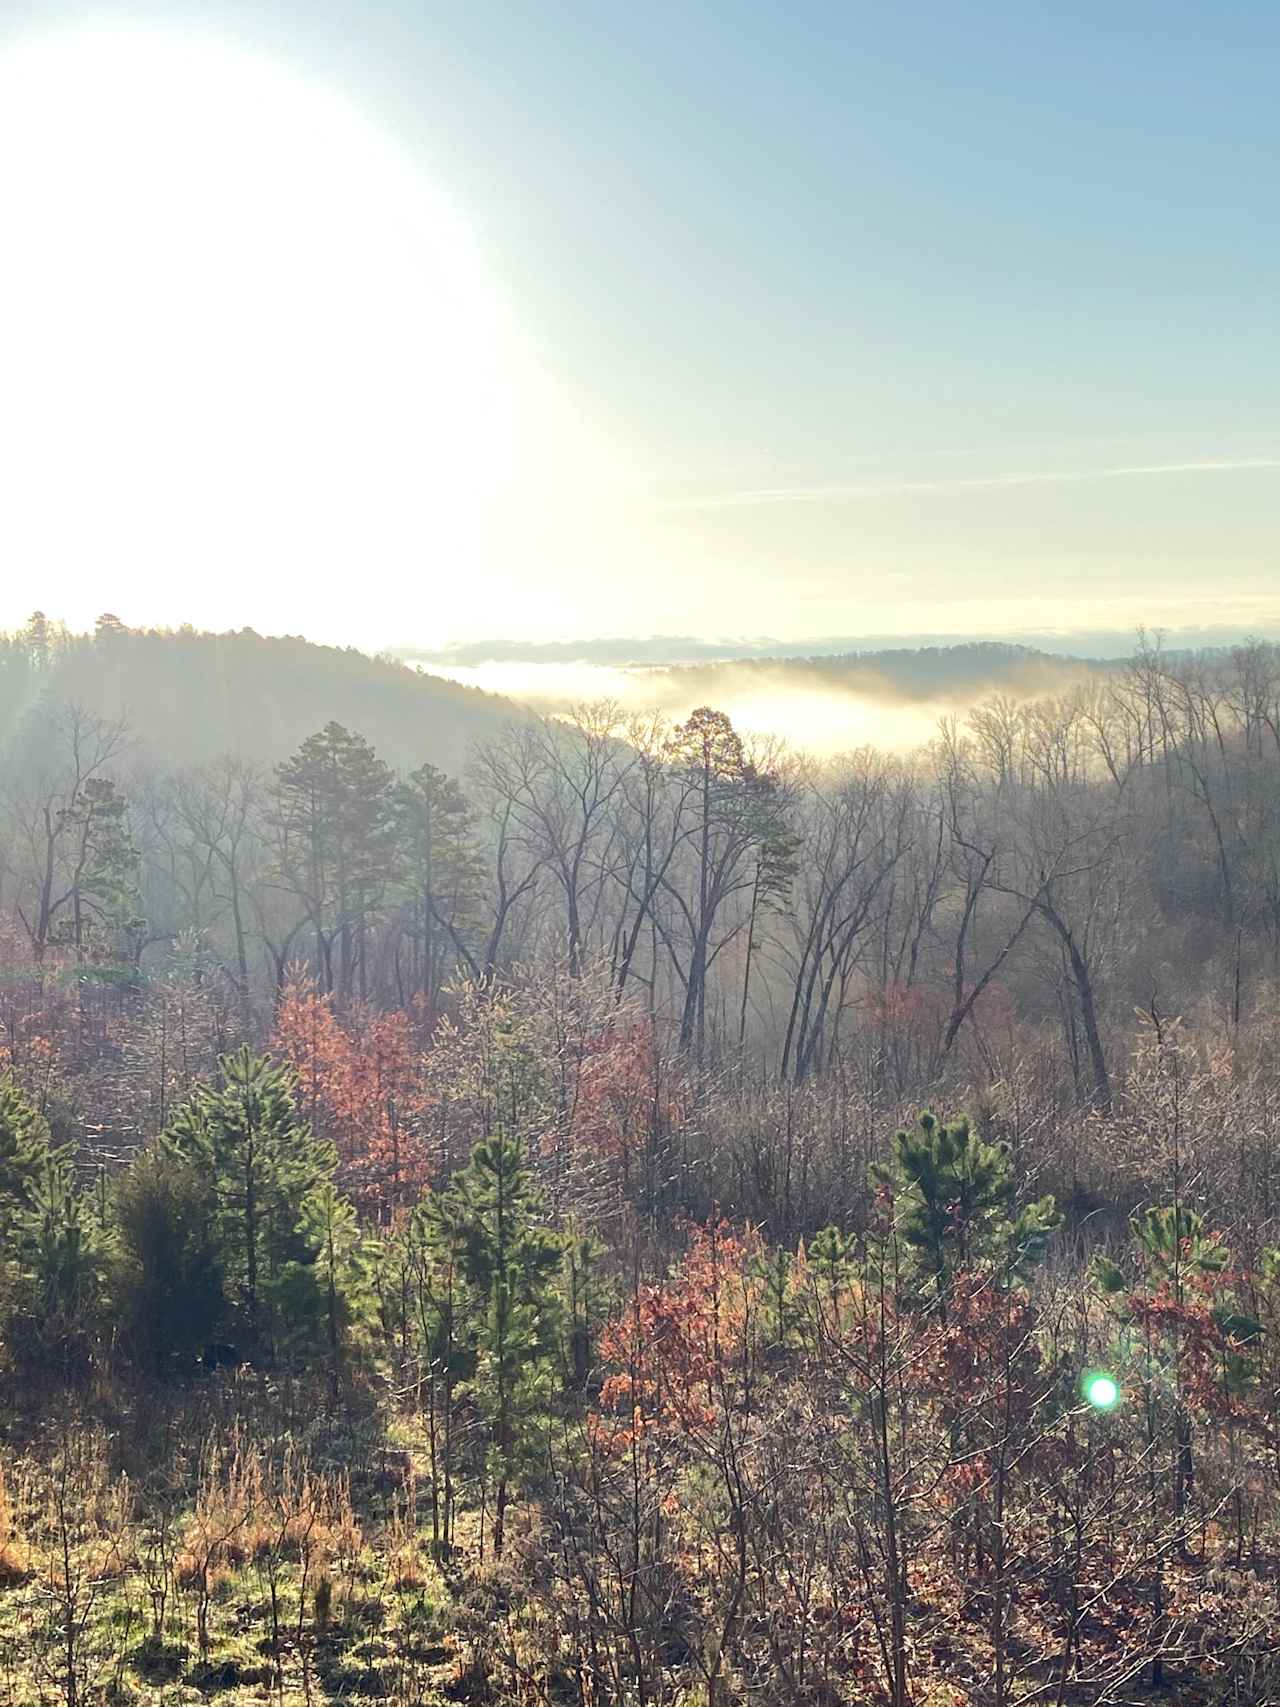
252	1566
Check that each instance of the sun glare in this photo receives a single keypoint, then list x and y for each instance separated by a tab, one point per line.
1101	1390
241	339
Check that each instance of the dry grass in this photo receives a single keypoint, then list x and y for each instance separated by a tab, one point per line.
15	1556
250	1509
403	1548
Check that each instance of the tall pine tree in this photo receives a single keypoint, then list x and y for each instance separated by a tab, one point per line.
489	1221
262	1163
336	846
443	875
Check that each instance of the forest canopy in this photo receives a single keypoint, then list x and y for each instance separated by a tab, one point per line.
610	1210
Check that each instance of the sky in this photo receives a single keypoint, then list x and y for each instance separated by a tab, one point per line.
410	324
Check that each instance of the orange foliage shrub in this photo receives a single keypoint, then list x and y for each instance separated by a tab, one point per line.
677	1347
360	1083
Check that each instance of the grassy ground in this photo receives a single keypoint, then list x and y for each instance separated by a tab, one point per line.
211	1554
236	1569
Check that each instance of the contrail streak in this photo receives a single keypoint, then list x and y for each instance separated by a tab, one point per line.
848	494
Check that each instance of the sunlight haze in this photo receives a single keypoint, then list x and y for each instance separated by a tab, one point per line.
419	334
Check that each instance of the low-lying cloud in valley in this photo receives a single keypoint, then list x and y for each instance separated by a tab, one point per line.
892	699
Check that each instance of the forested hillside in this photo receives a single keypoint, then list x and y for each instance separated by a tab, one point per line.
189	697
955	676
470	1232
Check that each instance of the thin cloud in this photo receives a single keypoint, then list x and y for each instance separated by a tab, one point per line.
847	494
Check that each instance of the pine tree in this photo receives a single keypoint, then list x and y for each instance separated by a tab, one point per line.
25	1147
339	1280
732	809
262	1163
1174	1243
41	638
443	875
336	846
60	1251
953	1199
827	1268
489	1222
102	899
50	1250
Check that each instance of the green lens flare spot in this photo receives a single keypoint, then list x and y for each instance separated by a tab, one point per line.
1101	1390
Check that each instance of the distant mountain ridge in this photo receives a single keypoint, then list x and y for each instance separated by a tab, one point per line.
669	649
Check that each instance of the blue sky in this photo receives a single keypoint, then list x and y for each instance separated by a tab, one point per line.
901	223
897	219
889	264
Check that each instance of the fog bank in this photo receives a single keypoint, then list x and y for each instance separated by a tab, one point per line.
893	700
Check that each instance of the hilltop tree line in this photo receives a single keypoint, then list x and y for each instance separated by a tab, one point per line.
1045	868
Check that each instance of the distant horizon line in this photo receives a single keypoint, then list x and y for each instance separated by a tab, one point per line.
657	649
